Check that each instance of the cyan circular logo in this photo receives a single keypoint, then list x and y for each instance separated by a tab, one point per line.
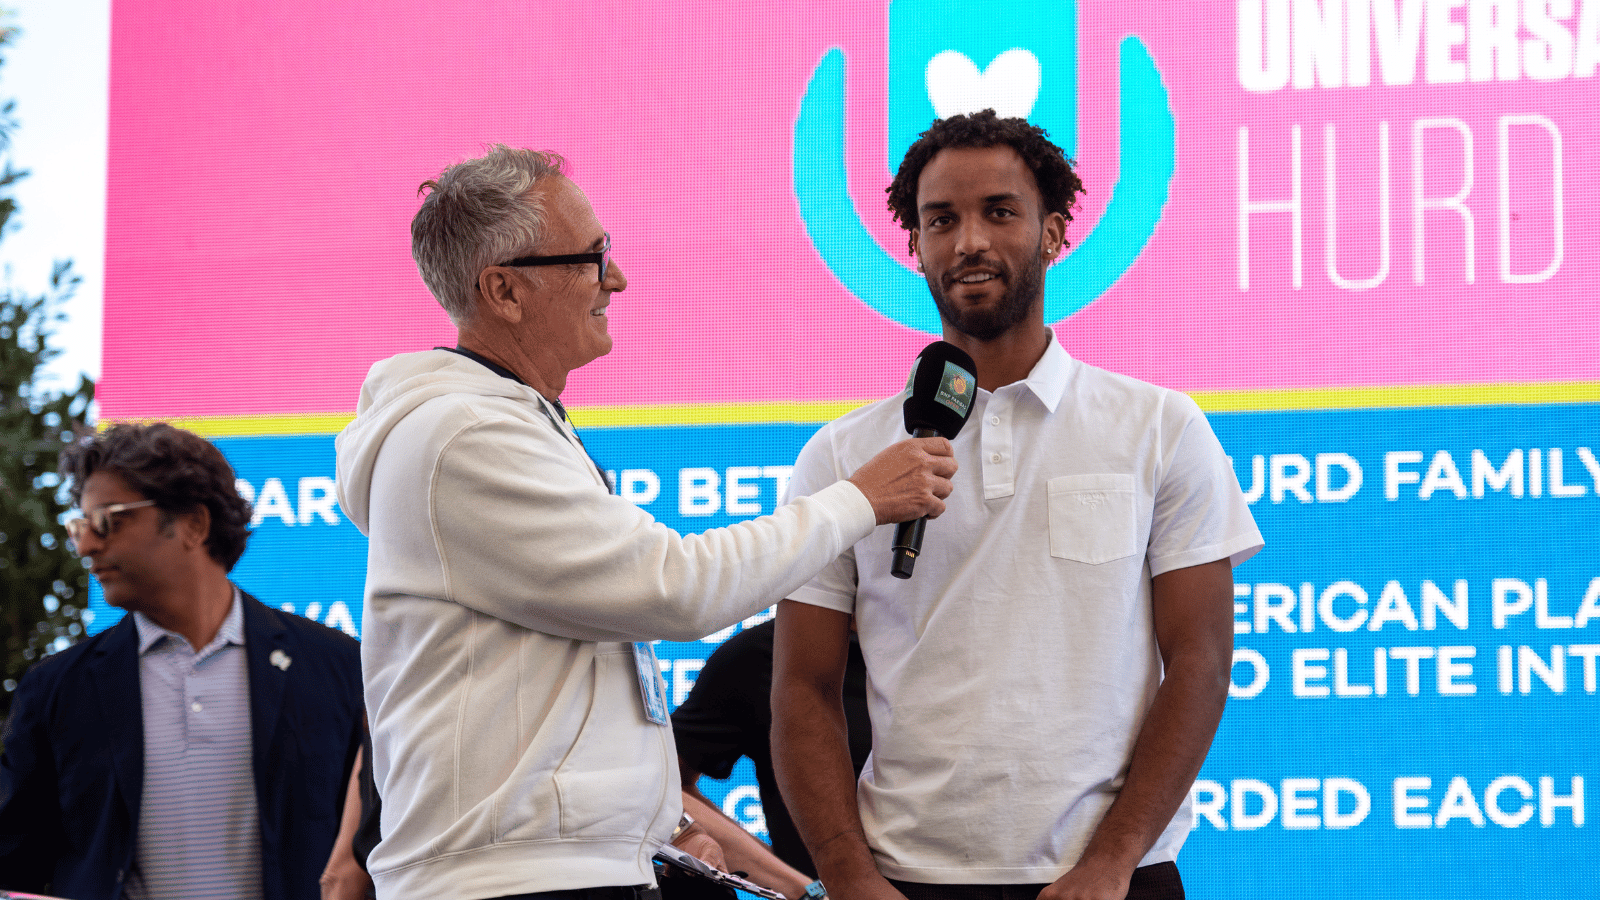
950	57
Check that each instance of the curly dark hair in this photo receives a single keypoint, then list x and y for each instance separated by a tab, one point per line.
1059	185
178	469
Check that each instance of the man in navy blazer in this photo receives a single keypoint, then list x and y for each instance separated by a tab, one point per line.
145	723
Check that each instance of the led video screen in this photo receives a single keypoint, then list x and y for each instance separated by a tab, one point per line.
1357	232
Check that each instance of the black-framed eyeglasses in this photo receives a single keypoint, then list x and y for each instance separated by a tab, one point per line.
601	258
101	520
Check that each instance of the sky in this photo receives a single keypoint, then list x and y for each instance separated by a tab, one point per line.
56	71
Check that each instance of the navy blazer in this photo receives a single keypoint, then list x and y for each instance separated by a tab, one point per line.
72	770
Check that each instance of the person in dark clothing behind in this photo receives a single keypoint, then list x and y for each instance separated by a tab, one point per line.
728	716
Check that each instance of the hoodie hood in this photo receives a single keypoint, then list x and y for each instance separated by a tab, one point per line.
393	389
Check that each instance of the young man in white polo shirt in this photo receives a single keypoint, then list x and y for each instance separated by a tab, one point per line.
1045	688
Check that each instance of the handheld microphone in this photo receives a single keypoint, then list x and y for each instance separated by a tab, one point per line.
943	384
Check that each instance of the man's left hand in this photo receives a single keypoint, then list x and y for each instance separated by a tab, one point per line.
1087	883
345	880
697	843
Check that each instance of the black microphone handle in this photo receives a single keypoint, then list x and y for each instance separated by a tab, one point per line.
908	535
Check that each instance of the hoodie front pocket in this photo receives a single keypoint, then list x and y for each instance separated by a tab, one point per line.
615	766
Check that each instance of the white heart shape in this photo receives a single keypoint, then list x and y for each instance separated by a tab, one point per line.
1009	86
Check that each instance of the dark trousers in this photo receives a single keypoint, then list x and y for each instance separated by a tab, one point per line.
1157	882
635	892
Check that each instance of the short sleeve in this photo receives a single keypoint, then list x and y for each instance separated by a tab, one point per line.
1200	514
817	467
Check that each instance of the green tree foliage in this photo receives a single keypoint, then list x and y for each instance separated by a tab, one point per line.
43	586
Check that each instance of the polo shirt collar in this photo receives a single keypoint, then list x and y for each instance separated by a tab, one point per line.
1048	379
231	632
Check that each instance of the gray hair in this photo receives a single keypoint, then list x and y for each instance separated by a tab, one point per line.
478	212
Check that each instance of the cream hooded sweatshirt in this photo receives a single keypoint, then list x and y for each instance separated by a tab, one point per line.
505	585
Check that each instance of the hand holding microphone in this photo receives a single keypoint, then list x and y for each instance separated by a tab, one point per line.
943	384
907	483
908	479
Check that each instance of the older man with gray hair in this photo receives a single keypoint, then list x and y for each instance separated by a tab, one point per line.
520	736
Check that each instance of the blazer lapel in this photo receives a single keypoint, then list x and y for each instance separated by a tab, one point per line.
115	671
270	654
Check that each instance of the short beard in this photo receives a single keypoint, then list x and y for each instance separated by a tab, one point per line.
984	325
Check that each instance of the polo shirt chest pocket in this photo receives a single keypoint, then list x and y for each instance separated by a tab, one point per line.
1092	517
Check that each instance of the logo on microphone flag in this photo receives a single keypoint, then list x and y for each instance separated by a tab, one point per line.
957	388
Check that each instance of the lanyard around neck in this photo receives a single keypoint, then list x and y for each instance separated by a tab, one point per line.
544	406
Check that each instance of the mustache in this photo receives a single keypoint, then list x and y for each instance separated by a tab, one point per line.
971	266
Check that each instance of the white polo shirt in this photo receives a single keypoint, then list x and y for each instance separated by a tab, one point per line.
1008	678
